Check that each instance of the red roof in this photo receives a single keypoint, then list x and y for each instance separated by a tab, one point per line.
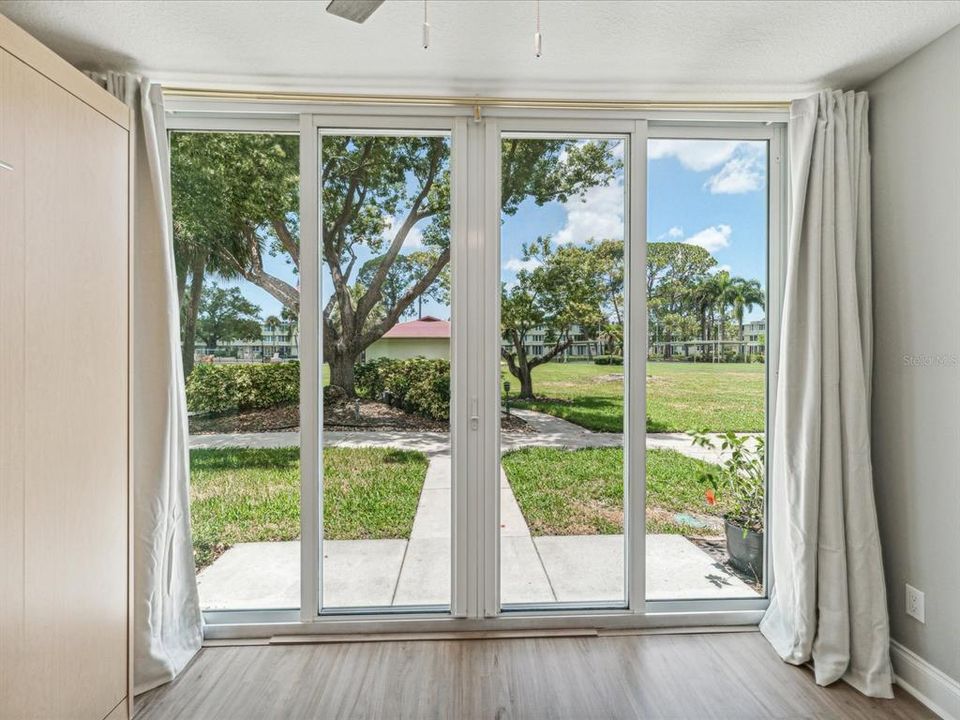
426	327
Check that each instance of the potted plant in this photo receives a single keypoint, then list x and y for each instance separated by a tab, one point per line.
739	485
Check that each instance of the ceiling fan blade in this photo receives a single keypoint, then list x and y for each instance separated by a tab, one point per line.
356	10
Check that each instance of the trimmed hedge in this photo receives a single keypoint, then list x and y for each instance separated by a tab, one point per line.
608	360
416	385
217	388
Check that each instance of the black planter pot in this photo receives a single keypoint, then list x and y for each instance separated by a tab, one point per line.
745	551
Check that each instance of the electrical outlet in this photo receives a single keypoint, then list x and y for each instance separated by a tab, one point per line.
914	603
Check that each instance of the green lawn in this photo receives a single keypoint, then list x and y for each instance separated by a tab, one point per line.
253	495
580	492
680	396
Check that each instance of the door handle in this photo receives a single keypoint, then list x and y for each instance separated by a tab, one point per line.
6	166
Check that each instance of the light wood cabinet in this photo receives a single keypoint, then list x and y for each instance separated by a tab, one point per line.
64	387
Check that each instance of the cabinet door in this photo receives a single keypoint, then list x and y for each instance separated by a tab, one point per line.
12	363
72	442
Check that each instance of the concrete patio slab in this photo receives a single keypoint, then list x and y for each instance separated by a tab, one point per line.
253	576
425	576
361	573
584	568
589	568
679	570
522	577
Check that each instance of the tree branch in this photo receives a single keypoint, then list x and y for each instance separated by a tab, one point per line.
373	293
406	300
254	272
287	241
511	361
547	357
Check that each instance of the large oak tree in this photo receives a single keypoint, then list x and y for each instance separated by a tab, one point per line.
236	200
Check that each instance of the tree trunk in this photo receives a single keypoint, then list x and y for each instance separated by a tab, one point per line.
181	281
197	268
526	383
743	349
342	372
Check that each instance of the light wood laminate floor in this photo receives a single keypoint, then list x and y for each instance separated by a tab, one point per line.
716	675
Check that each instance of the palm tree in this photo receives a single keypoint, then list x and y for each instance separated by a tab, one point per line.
744	295
292	320
711	297
703	296
271	323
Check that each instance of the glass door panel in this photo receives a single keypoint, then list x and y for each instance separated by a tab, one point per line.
386	334
561	380
236	235
707	226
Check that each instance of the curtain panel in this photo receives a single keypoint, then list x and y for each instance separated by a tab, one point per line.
168	626
828	602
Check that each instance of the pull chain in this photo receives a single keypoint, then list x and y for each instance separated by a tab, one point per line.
426	27
537	37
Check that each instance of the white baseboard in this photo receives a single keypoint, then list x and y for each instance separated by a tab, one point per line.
934	688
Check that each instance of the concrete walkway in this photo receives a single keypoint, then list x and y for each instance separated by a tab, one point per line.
548	431
359	573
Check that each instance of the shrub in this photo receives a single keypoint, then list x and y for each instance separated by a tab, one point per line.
608	360
416	385
217	388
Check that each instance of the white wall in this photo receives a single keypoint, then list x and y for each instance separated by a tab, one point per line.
915	142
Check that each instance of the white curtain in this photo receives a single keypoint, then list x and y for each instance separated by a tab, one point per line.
168	627
828	603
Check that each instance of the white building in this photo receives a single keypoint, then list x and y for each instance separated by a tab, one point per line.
276	341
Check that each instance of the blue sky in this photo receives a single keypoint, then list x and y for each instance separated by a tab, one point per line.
712	193
706	192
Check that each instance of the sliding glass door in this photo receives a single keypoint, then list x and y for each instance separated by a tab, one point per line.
236	239
386	333
562	319
527	358
708	225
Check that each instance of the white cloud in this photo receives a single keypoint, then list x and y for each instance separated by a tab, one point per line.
516	264
712	238
674	233
599	214
696	155
742	164
741	174
414	238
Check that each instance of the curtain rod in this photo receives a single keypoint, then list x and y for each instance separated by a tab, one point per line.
459	101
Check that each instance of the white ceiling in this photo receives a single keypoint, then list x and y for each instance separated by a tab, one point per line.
591	48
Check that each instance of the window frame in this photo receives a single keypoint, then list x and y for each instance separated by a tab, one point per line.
474	160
